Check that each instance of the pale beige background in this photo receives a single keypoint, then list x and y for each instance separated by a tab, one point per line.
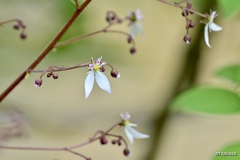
57	113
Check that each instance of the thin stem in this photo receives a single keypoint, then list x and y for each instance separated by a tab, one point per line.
59	69
104	30
78	38
46	50
179	6
8	21
77	5
117	124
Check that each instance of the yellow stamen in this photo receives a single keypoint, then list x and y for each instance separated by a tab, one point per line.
96	67
126	122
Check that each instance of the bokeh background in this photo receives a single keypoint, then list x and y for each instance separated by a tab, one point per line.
57	113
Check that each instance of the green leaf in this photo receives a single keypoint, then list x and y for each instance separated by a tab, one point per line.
230	152
231	73
207	99
229	7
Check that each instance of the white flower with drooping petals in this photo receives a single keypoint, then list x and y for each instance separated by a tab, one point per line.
130	132
95	73
211	26
135	26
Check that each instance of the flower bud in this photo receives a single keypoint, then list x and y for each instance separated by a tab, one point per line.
132	50
115	74
111	16
191	24
49	74
23	35
102	68
187	39
119	143
38	82
129	39
114	141
55	76
189	6
185	13
126	152
16	26
103	140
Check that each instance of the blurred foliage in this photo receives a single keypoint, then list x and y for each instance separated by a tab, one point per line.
231	73
208	99
229	7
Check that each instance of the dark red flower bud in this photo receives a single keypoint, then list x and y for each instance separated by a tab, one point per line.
126	152
110	16
189	6
115	74
55	76
49	74
23	35
16	26
102	69
114	141
129	39
103	140
38	82
119	143
187	39
191	24
132	50
185	13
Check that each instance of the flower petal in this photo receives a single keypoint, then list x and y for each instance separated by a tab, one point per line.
206	37
135	133
89	82
136	28
215	27
128	134
125	116
138	14
102	81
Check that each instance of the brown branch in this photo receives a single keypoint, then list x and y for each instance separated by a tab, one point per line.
46	50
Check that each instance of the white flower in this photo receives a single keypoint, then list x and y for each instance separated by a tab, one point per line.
130	132
211	26
101	79
135	26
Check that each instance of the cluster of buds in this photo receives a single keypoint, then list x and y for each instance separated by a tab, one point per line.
189	23
96	68
50	73
112	17
20	26
104	140
134	24
130	132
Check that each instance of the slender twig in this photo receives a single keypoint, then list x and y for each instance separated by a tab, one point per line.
77	5
59	69
9	20
46	50
182	7
103	30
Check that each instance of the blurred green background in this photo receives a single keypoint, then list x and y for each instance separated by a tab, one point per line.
57	113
